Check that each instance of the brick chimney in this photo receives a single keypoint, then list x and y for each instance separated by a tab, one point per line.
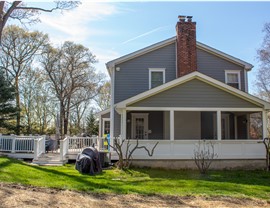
186	46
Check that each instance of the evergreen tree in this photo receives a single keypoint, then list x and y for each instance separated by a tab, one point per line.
7	101
91	124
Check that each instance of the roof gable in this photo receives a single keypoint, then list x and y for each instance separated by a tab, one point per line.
188	77
195	93
166	42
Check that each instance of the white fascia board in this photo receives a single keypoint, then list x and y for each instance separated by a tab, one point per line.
187	78
108	110
221	54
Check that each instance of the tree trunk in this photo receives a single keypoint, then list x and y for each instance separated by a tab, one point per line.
18	124
62	114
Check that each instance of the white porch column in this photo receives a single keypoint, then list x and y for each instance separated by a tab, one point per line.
219	135
124	124
99	127
265	124
112	107
171	125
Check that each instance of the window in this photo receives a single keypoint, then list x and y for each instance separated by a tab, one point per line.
232	78
156	77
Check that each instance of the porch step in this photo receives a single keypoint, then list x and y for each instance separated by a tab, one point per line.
50	159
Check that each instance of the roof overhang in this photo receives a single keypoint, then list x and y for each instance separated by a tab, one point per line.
111	64
186	78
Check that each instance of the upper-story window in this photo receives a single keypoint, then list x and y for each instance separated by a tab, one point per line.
156	77
232	78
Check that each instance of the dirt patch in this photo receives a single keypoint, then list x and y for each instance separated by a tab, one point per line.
22	196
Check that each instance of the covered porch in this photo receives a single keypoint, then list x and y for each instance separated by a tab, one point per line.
193	124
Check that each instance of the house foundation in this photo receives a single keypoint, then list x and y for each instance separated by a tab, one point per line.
246	164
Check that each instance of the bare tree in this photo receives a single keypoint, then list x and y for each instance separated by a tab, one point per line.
263	75
19	48
104	97
70	72
125	150
204	155
20	11
37	104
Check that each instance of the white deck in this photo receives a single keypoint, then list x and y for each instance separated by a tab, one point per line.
34	148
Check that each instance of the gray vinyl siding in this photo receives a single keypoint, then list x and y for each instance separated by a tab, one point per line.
133	77
214	66
106	115
194	93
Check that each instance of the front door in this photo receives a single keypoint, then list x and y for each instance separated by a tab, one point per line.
139	128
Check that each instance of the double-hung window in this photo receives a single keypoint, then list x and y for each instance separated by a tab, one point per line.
156	77
232	78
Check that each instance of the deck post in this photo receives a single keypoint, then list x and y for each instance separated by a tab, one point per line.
61	150
13	145
36	149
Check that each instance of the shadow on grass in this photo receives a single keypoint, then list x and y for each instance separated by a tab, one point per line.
8	162
245	177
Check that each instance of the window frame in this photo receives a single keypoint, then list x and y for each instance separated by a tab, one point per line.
156	70
103	125
238	72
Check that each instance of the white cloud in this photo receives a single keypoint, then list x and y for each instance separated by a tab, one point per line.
74	24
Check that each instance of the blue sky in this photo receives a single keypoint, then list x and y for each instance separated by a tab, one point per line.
113	29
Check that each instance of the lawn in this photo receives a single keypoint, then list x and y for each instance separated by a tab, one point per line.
248	184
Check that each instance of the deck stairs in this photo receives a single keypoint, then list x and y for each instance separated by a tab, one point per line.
50	159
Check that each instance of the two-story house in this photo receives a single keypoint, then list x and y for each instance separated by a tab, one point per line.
179	91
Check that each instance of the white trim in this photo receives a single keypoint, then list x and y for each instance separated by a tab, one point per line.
188	77
156	70
166	42
171	125
192	109
124	128
133	117
112	107
108	110
233	72
103	125
219	132
99	126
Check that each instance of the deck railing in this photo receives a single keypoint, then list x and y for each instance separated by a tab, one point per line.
77	144
39	147
20	144
64	147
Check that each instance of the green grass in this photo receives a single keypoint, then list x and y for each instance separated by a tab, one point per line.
251	184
